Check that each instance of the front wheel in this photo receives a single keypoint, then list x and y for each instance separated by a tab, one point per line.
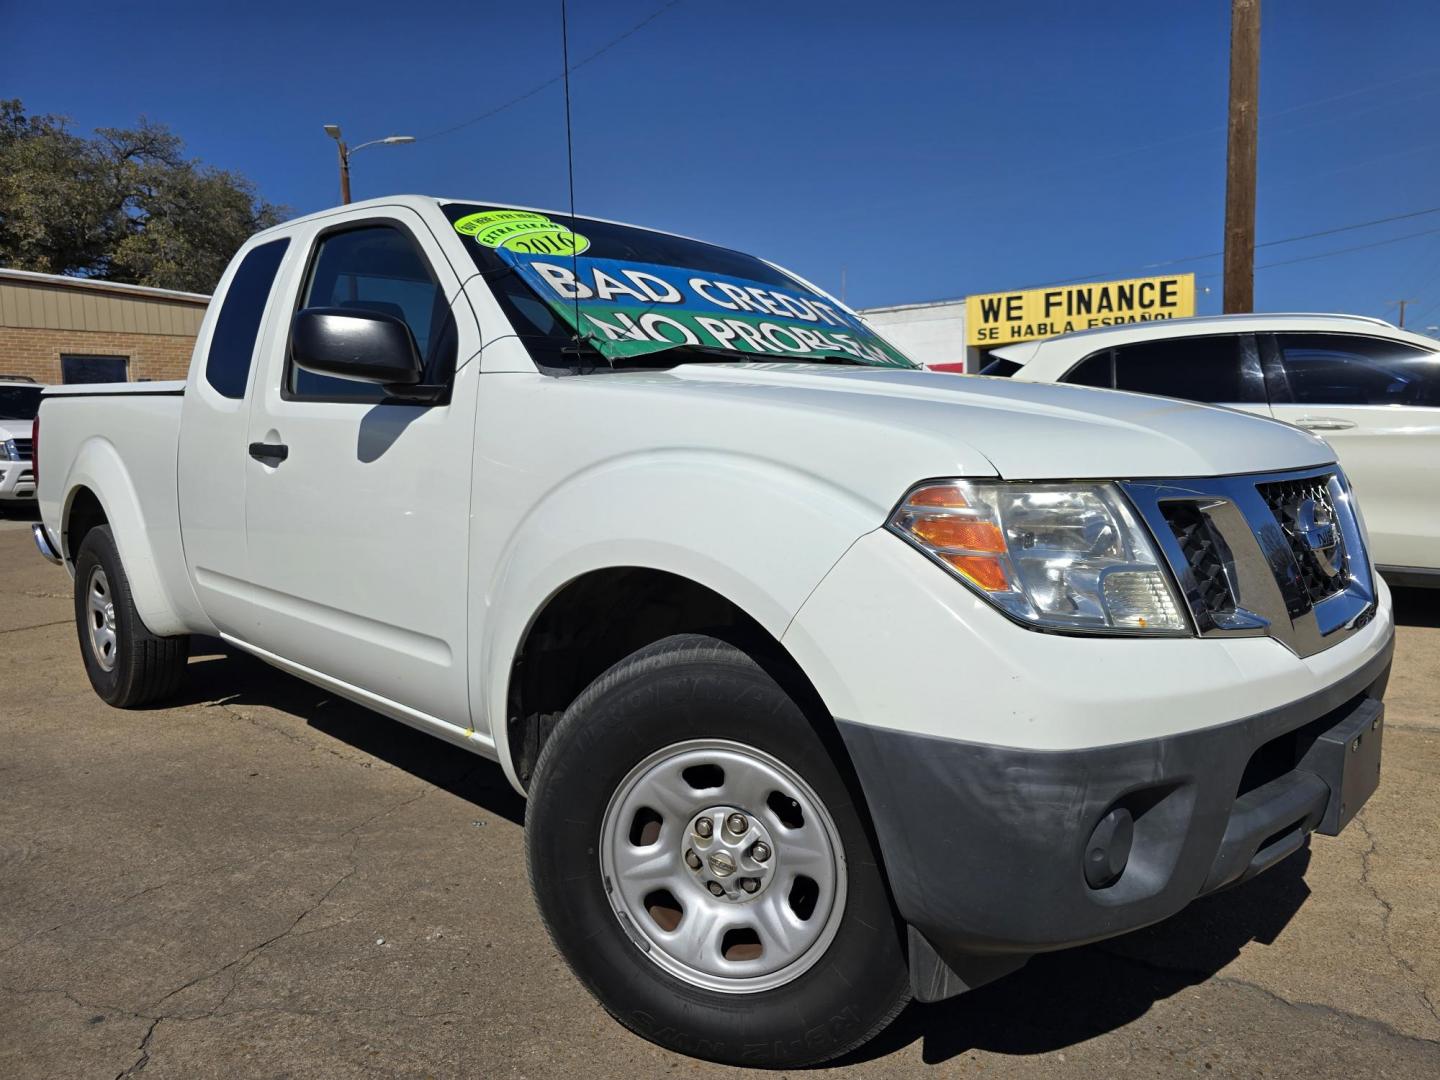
127	665
700	863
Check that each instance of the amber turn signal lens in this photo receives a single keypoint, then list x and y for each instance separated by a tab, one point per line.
945	531
984	570
946	495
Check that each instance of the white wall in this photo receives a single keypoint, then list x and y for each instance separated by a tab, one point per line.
927	333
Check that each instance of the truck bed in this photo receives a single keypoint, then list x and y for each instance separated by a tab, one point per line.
122	440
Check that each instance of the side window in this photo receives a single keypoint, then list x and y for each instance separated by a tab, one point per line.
377	268
1340	369
232	345
1097	370
1000	368
1223	369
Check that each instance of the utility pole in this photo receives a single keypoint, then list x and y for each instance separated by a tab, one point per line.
1401	322
1239	295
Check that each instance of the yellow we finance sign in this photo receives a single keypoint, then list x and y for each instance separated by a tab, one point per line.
1002	318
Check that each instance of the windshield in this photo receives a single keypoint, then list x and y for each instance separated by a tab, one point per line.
19	402
616	296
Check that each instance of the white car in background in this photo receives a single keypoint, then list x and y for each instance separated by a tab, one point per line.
19	401
1370	390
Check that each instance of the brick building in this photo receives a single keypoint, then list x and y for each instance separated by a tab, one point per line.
63	329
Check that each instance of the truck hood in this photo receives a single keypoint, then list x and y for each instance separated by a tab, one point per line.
1026	431
14	429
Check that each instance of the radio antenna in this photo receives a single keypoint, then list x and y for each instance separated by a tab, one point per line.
579	337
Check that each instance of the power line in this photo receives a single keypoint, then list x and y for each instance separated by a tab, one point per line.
528	94
1268	243
1339	251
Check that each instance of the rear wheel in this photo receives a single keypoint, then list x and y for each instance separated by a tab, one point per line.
127	665
701	864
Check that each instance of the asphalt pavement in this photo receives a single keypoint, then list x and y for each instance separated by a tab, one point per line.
261	880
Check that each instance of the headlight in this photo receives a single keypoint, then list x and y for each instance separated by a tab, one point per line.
8	451
1059	556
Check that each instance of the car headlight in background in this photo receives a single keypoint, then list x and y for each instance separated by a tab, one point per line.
8	451
1059	556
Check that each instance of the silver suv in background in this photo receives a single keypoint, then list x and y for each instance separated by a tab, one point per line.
19	401
1370	390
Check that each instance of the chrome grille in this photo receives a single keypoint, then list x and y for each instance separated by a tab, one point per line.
1203	554
1306	512
24	447
1274	555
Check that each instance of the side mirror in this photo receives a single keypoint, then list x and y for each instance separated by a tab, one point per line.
367	346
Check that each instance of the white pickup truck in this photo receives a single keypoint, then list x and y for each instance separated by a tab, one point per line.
830	682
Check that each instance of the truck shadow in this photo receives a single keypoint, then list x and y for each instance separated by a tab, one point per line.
218	675
1055	1001
1060	999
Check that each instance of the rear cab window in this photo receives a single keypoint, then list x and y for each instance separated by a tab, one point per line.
232	344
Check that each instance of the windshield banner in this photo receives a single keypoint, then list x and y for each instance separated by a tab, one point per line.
629	308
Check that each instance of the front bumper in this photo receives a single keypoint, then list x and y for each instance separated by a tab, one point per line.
996	853
17	479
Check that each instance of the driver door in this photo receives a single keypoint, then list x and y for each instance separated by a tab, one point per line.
357	536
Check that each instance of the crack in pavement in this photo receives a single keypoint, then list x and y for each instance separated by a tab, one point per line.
37	626
243	962
108	908
239	964
143	1050
1412	975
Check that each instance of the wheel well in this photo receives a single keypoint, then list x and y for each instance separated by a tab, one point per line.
604	616
85	513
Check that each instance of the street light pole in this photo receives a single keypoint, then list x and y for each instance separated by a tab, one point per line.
333	130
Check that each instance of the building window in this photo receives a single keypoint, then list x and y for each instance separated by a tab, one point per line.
92	369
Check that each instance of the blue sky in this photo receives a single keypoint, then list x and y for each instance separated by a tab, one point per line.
930	149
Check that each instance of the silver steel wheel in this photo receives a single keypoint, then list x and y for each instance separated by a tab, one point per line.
100	619
723	865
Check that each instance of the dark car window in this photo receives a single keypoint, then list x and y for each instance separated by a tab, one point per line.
232	345
1097	370
1220	369
19	402
377	268
1000	368
1343	369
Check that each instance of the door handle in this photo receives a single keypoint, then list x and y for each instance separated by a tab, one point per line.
1323	423
270	453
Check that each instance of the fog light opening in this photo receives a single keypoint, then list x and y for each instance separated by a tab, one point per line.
1108	850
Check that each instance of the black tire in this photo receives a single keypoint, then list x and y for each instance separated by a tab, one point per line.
695	687
143	667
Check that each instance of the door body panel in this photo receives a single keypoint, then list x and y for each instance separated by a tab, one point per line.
357	539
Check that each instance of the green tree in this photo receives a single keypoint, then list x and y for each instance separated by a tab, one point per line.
125	205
